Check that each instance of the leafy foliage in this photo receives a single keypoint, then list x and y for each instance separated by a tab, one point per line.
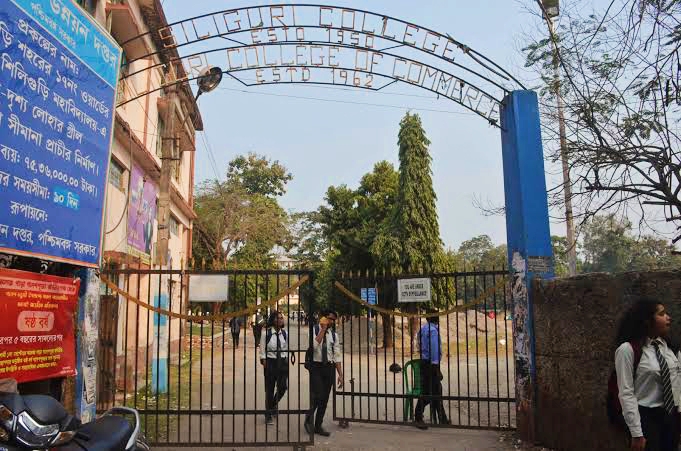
410	240
240	219
619	71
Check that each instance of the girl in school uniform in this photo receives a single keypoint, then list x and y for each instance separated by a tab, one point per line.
274	359
648	391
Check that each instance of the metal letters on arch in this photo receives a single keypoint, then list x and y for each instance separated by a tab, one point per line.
327	45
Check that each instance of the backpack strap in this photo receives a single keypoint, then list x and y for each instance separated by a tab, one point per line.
268	336
638	353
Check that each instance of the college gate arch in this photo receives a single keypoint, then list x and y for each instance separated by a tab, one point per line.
330	45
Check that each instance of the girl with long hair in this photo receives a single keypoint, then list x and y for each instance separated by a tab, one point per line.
649	388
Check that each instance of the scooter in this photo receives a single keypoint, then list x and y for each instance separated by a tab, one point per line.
39	422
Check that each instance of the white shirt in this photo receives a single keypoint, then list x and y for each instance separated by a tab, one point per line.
269	350
333	347
646	390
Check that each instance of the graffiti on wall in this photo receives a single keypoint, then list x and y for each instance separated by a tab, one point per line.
87	344
521	318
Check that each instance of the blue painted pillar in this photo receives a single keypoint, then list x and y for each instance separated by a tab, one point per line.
528	237
159	366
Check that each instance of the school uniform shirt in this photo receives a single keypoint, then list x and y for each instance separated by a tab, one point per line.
333	348
269	350
646	389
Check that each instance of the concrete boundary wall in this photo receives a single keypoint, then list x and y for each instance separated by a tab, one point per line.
575	326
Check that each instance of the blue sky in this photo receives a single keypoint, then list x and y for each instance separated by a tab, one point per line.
327	142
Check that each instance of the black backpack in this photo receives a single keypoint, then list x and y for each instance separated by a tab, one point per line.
309	353
613	400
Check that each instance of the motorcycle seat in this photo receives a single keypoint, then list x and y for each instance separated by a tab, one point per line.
107	433
45	409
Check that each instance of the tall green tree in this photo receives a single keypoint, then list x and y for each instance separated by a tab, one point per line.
410	241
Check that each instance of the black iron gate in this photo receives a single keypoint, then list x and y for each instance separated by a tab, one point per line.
382	358
170	354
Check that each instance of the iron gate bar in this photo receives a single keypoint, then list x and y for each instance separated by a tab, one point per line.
155	410
443	397
439	426
479	393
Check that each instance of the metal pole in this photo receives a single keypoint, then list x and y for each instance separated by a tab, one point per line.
567	184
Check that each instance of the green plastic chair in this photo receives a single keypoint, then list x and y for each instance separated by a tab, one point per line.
413	368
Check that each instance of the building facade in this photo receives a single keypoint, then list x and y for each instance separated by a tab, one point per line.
131	235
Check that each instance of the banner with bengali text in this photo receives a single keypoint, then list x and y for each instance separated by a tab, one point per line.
37	336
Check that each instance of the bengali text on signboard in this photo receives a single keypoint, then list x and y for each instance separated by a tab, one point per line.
37	339
58	73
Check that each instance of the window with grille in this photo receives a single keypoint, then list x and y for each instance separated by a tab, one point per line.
174	226
117	175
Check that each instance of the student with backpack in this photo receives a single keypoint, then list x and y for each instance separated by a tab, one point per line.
235	327
645	397
322	360
274	359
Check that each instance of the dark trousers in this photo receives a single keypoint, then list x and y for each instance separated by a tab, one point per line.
257	333
430	386
235	338
660	430
321	382
276	383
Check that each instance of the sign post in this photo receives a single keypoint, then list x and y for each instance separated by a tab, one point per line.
370	296
413	290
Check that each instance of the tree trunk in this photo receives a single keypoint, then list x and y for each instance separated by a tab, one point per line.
413	333
387	331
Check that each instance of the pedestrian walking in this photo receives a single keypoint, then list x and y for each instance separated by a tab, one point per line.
235	328
648	377
430	346
325	359
257	324
274	359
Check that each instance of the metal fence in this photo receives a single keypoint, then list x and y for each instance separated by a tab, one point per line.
166	349
382	358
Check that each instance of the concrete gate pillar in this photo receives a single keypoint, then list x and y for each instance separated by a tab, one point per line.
528	237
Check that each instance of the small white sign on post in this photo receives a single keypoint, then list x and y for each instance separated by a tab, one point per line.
208	288
413	290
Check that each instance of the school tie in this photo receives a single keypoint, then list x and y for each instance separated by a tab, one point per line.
325	358
666	379
278	347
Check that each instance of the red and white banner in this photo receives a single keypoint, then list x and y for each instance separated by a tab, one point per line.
37	336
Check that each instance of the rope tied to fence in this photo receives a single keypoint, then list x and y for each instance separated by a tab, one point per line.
458	308
219	317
